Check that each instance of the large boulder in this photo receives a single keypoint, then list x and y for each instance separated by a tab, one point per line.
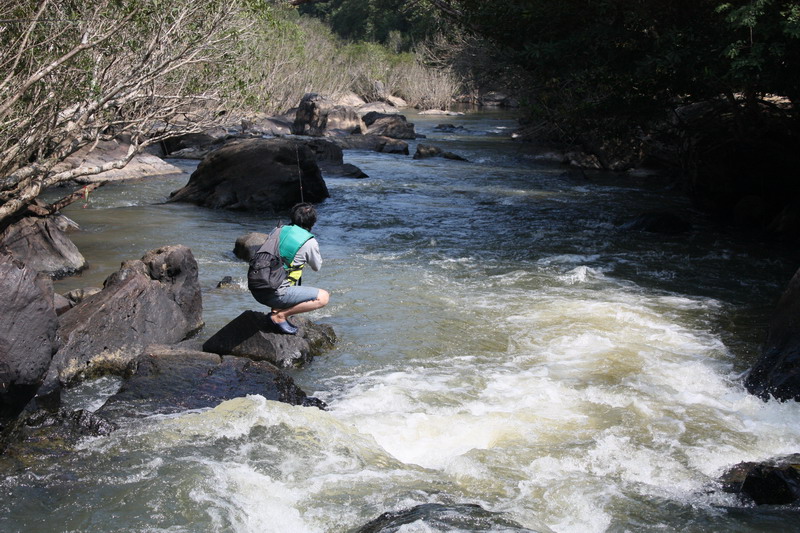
265	175
777	372
166	379
252	335
319	115
330	159
153	300
28	326
42	244
389	125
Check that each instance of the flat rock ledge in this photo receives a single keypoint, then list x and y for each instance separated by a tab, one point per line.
252	335
169	379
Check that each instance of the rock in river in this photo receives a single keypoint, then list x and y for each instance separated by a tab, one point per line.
43	245
166	379
777	372
28	326
149	301
263	175
252	335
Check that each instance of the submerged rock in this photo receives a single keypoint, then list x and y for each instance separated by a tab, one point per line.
167	379
262	175
777	372
42	244
45	433
153	300
439	517
252	335
425	151
28	326
775	482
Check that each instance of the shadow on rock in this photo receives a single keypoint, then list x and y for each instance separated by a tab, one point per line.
252	335
167	380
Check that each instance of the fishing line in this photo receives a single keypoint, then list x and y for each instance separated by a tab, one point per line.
299	175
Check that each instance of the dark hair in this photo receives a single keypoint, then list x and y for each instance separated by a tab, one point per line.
304	215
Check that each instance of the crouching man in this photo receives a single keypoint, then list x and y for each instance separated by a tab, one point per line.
298	248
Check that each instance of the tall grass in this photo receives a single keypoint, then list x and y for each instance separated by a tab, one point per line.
283	59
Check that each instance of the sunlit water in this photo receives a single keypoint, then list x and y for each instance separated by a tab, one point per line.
501	342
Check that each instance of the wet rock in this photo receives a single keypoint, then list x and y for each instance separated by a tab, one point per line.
45	433
318	115
425	151
166	379
439	517
777	372
345	170
28	326
659	222
252	335
389	125
449	128
775	482
330	159
153	300
375	143
42	244
246	246
262	175
226	283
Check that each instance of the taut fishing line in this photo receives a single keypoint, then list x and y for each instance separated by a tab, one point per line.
299	175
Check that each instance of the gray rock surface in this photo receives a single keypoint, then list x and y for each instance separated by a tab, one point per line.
167	379
263	175
252	335
42	244
28	326
153	300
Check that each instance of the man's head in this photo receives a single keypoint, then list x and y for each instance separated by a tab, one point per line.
304	215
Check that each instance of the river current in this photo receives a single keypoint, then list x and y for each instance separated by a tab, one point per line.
502	342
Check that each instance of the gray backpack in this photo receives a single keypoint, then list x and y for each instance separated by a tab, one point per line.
266	267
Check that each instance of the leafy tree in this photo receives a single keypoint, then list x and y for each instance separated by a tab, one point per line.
397	23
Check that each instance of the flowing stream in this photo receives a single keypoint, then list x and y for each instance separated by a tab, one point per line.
502	342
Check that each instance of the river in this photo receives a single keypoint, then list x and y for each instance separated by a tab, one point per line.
502	342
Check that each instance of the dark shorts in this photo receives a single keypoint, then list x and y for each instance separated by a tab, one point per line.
289	297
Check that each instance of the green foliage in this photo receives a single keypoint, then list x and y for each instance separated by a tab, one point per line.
398	24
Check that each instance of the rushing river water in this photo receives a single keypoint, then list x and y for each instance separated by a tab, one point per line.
502	342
